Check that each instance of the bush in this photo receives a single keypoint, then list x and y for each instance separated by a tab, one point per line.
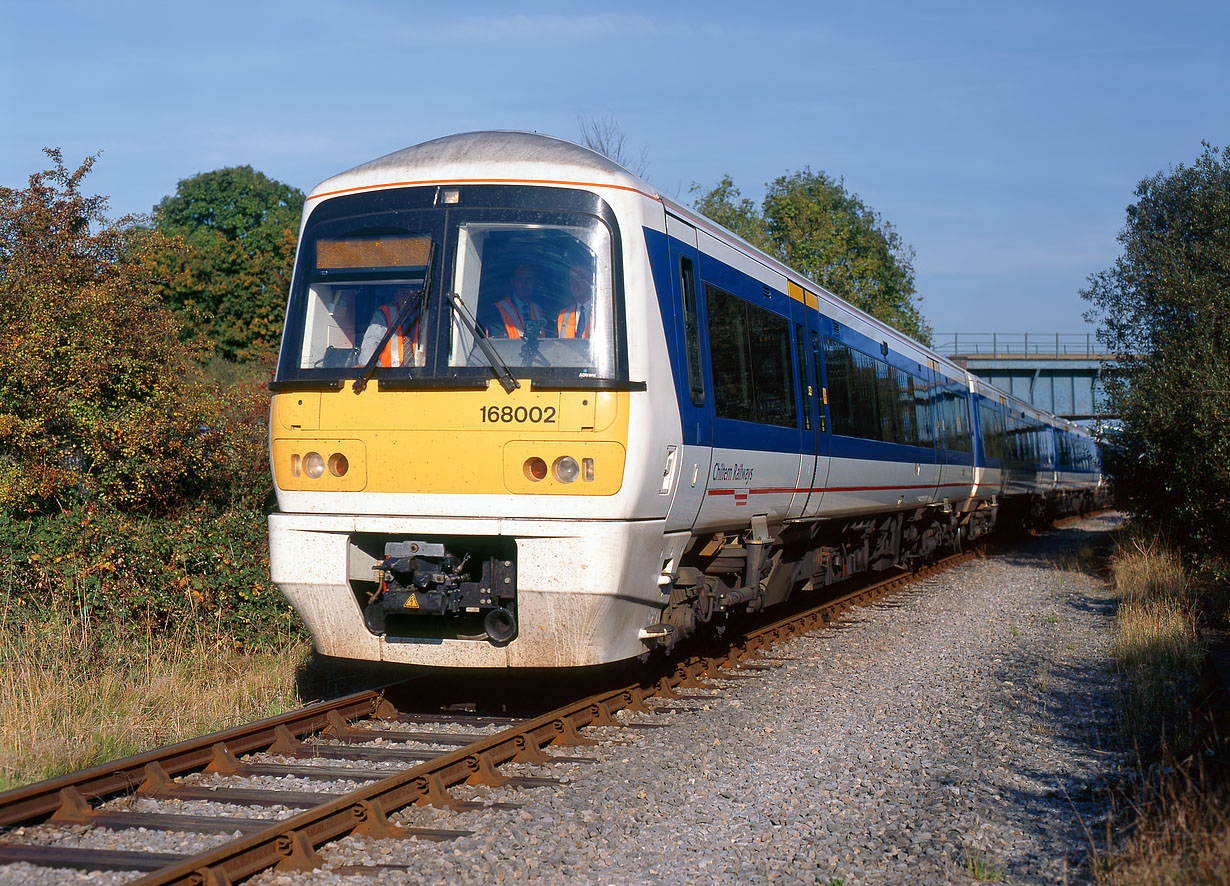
1163	310
133	485
140	573
97	401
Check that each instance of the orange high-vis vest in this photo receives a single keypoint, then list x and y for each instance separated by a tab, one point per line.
574	321
400	348
514	325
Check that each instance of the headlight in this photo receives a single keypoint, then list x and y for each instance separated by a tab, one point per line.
566	469
313	465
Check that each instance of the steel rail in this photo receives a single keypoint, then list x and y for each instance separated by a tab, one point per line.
43	798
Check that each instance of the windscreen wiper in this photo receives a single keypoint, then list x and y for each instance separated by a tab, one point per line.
361	382
502	373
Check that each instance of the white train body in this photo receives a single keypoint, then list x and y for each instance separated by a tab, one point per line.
514	494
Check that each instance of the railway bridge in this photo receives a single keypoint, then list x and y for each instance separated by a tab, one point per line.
1061	373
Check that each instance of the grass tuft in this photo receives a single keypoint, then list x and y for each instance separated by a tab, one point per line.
1156	642
1181	834
982	868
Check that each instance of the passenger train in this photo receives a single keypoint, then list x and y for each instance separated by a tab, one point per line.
530	412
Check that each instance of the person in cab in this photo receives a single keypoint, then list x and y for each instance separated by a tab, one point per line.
519	313
404	347
576	317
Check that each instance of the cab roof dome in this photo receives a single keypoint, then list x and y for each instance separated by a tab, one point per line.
487	155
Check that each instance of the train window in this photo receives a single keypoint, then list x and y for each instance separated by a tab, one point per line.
991	417
542	292
800	347
691	331
872	399
749	350
359	283
954	407
449	272
851	391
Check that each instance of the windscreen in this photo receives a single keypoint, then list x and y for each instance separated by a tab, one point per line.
359	285
541	293
469	293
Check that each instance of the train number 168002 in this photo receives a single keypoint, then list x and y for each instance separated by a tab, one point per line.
518	414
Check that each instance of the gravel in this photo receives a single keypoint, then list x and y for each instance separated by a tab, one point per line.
959	728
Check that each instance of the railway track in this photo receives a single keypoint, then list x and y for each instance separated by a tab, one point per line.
396	758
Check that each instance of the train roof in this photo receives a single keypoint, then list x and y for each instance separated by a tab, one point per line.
498	156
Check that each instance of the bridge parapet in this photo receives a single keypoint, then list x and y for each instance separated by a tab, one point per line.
1061	373
1021	345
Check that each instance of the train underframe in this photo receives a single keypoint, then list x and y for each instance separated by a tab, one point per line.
765	564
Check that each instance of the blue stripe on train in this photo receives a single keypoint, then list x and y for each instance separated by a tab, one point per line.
733	434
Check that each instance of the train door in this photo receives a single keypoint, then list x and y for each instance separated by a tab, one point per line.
930	474
816	440
694	399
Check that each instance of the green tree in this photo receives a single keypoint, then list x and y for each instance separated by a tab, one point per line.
811	222
95	393
240	228
1163	309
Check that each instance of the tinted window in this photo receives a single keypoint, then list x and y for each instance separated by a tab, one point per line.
691	330
872	399
749	350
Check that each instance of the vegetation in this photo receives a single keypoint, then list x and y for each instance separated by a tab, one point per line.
96	400
980	867
1178	804
73	693
134	482
811	222
608	138
1164	310
1155	642
240	230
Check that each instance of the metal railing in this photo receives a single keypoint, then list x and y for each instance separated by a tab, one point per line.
1018	344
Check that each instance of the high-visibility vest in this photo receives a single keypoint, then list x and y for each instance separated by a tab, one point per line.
514	324
400	345
574	321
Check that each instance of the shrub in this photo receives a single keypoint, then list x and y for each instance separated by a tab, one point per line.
133	486
97	400
1163	309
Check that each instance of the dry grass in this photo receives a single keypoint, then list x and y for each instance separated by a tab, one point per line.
1145	567
1180	822
1156	642
1181	835
74	694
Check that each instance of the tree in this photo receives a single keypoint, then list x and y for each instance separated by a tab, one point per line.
96	400
811	222
608	138
240	228
1163	309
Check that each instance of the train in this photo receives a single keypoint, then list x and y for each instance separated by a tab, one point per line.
529	412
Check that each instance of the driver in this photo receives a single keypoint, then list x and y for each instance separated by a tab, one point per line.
519	310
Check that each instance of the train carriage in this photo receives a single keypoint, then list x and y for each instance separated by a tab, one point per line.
531	413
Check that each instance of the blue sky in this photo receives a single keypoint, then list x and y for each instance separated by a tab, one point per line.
1003	141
